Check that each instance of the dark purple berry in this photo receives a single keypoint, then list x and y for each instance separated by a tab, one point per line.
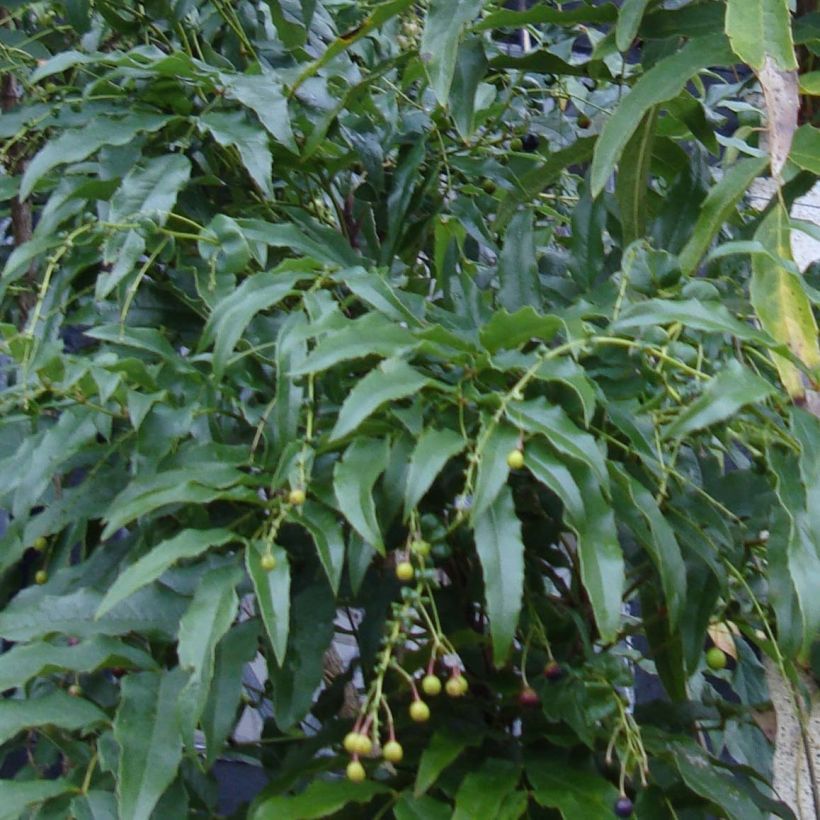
623	807
528	697
553	671
530	142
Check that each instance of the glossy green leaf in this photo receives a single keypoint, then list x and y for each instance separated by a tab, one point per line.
353	479
444	747
424	807
761	28
657	537
663	81
371	335
234	650
717	207
501	552
23	662
492	472
57	709
322	798
805	151
210	615
232	130
632	183
186	544
731	389
440	39
781	304
77	144
709	317
470	68
328	538
148	735
272	594
264	95
576	792
629	20
537	416
20	795
517	268
507	330
482	792
232	314
392	380
150	191
433	450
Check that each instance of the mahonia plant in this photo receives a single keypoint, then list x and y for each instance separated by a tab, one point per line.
418	378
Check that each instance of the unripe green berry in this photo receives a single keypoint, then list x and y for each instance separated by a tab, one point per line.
515	459
355	771
392	751
41	576
516	144
420	547
351	742
405	571
430	685
40	543
456	686
296	497
716	659
364	745
419	711
268	562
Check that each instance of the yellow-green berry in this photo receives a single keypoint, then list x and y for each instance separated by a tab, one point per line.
392	751
419	711
268	562
41	576
515	459
40	543
716	659
430	685
355	771
297	497
404	571
420	547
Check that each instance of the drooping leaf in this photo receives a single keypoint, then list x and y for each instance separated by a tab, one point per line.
781	304
501	552
517	268
632	184
148	735
186	544
210	615
328	538
353	479
482	792
663	81
629	20
734	387
439	41
433	450
272	590
492	472
57	709
470	68
392	380
716	208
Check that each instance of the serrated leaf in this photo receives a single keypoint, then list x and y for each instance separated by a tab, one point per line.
322	798
233	652
433	450
19	795
272	595
501	552
719	203
75	145
186	544
665	80
147	732
353	479
444	747
58	709
657	536
709	317
577	793
232	129
731	389
150	190
482	791
328	538
370	335
781	304
393	379
233	314
493	469
539	417
589	516
445	22
23	662
517	268
210	615
508	331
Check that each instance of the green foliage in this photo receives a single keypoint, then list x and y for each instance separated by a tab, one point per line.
301	275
